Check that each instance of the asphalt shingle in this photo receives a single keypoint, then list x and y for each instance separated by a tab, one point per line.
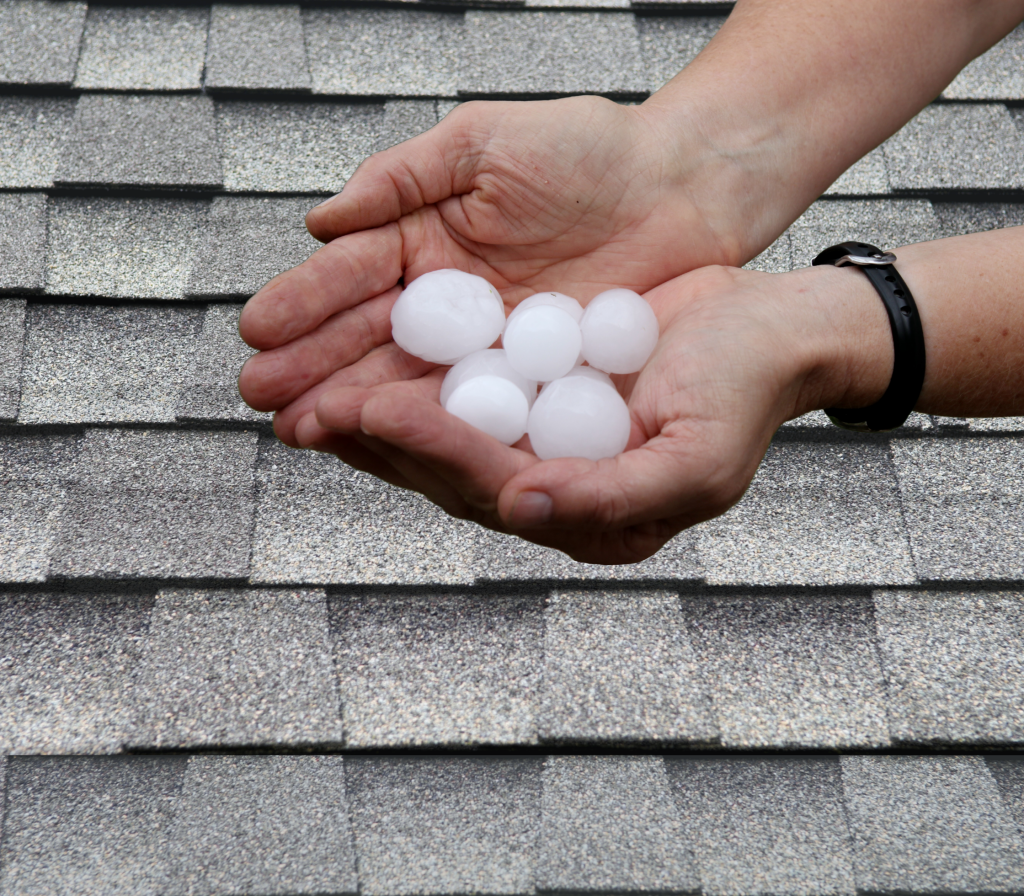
319	521
67	662
246	242
39	41
776	259
32	132
445	670
954	666
868	176
210	391
815	514
121	140
294	147
404	119
381	52
122	248
621	668
668	43
444	825
995	75
143	48
1009	774
958	218
22	242
957	146
89	825
256	48
12	341
930	824
996	424
765	825
263	824
609	824
961	501
551	53
786	671
158	504
91	364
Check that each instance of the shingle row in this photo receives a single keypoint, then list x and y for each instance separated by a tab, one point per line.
208	824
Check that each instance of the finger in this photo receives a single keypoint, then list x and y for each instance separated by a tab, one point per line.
336	277
340	410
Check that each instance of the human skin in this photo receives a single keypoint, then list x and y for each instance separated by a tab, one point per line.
580	195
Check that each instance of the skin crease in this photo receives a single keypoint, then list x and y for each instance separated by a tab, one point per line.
580	195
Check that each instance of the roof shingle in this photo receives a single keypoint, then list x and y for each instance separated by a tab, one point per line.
256	47
22	242
12	341
39	41
32	132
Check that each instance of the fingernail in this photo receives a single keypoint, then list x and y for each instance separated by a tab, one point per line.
532	509
306	430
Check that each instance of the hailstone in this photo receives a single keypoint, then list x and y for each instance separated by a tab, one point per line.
489	361
493	405
570	306
619	331
578	416
543	342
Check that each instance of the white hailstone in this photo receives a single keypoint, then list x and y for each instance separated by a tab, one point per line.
578	416
570	306
487	362
492	404
445	315
619	331
593	373
543	343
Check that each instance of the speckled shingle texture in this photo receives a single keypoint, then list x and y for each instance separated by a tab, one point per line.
668	43
67	663
437	670
995	75
1009	774
765	825
32	131
263	824
12	341
380	52
620	668
143	48
39	41
22	242
957	218
122	140
256	47
404	119
610	824
791	671
230	668
961	500
456	825
150	503
776	259
815	514
930	824
868	176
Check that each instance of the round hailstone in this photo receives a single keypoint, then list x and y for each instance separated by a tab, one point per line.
543	343
445	315
488	362
570	306
590	372
492	404
619	331
578	416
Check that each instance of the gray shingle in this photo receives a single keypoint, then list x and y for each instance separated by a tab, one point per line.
765	825
957	146
995	75
668	43
210	391
33	473
22	242
381	52
404	119
294	147
958	218
90	364
961	501
158	503
621	668
32	132
776	259
929	824
256	47
576	4
609	824
786	671
12	341
996	424
1009	774
39	41
122	140
68	661
263	824
247	241
954	665
886	223
868	176
815	514
237	668
550	53
320	521
122	248
143	48
444	670
444	825
89	825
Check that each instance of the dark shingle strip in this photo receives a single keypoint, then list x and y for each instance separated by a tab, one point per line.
39	41
254	48
22	242
32	132
995	75
12	341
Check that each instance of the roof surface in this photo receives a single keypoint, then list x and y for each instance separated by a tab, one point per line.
227	667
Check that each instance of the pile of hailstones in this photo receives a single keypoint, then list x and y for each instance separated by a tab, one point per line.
451	317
